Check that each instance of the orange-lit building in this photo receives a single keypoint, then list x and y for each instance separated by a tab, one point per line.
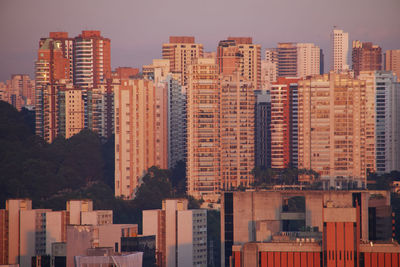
307	228
392	62
237	130
203	129
140	131
19	91
283	122
180	51
92	59
239	53
366	57
332	122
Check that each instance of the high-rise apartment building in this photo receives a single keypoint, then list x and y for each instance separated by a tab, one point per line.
99	108
284	123
239	53
140	132
386	100
392	62
181	234
297	59
287	60
70	111
134	134
157	71
83	60
180	51
340	50
366	56
263	129
308	59
237	129
332	137
51	67
228	57
9	233
66	44
269	68
203	129
92	59
176	122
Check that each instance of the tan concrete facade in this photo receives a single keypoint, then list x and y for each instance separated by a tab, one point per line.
250	60
366	57
332	121
203	110
340	50
308	59
134	103
180	51
237	122
392	62
259	218
181	234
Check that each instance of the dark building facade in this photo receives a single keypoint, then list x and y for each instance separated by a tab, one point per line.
263	130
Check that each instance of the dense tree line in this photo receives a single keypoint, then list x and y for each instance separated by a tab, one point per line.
81	167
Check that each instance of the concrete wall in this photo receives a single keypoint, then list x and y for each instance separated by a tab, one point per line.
53	229
14	206
27	237
185	238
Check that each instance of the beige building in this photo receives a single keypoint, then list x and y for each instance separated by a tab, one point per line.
332	121
269	71
249	60
237	100
340	50
385	99
9	233
157	71
180	51
308	59
39	228
71	110
181	234
203	129
392	62
140	132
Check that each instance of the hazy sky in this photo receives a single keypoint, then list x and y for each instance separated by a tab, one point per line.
137	29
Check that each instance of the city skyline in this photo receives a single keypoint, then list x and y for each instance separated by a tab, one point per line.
136	36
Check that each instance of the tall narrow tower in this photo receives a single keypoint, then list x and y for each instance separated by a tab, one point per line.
340	50
92	59
180	51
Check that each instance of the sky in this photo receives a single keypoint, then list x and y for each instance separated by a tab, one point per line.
137	29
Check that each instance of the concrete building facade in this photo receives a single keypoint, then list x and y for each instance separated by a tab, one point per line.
134	145
366	57
386	100
269	68
181	234
392	62
287	60
340	50
180	51
176	103
332	119
308	59
237	129
283	123
92	59
302	228
203	129
263	129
